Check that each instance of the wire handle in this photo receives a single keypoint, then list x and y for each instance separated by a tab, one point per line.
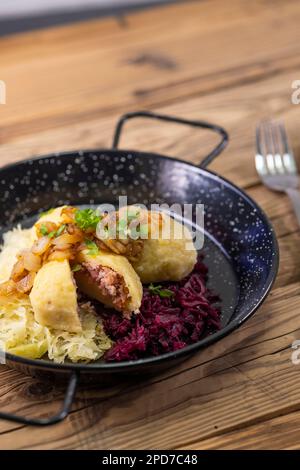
205	125
62	414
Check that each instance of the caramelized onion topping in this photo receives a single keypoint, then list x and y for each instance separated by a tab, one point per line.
62	241
25	285
41	245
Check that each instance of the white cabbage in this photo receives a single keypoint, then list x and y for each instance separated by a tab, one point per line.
88	345
20	334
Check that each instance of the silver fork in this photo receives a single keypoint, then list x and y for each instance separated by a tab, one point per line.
275	162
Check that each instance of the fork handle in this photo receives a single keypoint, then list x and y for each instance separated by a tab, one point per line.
294	195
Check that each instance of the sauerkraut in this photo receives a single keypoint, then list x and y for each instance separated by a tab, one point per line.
88	345
20	334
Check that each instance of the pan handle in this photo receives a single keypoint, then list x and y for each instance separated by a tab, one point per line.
62	414
205	125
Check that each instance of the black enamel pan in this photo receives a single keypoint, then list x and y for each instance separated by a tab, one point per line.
240	246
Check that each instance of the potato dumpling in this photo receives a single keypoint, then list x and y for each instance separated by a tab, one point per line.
111	279
168	255
53	297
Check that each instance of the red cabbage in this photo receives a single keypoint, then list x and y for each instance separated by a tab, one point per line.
165	324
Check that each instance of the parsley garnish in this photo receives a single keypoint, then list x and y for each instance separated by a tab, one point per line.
132	215
143	231
122	228
52	234
87	219
93	248
44	230
76	267
122	225
158	290
60	230
55	233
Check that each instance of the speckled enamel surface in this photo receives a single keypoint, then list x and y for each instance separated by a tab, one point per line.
240	247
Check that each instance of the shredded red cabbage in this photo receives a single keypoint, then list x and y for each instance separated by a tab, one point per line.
165	324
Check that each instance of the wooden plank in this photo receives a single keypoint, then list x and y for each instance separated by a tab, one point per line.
232	111
275	434
38	81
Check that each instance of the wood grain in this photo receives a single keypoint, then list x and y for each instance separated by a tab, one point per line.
204	41
274	434
227	62
238	110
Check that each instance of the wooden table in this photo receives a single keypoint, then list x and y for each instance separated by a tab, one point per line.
228	62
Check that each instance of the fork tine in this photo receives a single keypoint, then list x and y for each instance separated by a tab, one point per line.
285	142
267	145
288	157
273	126
270	137
277	146
260	160
275	162
258	140
260	165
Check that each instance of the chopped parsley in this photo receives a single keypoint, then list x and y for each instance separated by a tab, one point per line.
87	219
122	225
143	231
132	215
60	230
122	228
92	247
158	290
76	267
52	234
132	227
55	233
44	230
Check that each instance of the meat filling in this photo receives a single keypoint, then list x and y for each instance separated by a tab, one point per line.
111	285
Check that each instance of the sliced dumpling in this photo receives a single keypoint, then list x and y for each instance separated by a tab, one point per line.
53	297
168	254
110	279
